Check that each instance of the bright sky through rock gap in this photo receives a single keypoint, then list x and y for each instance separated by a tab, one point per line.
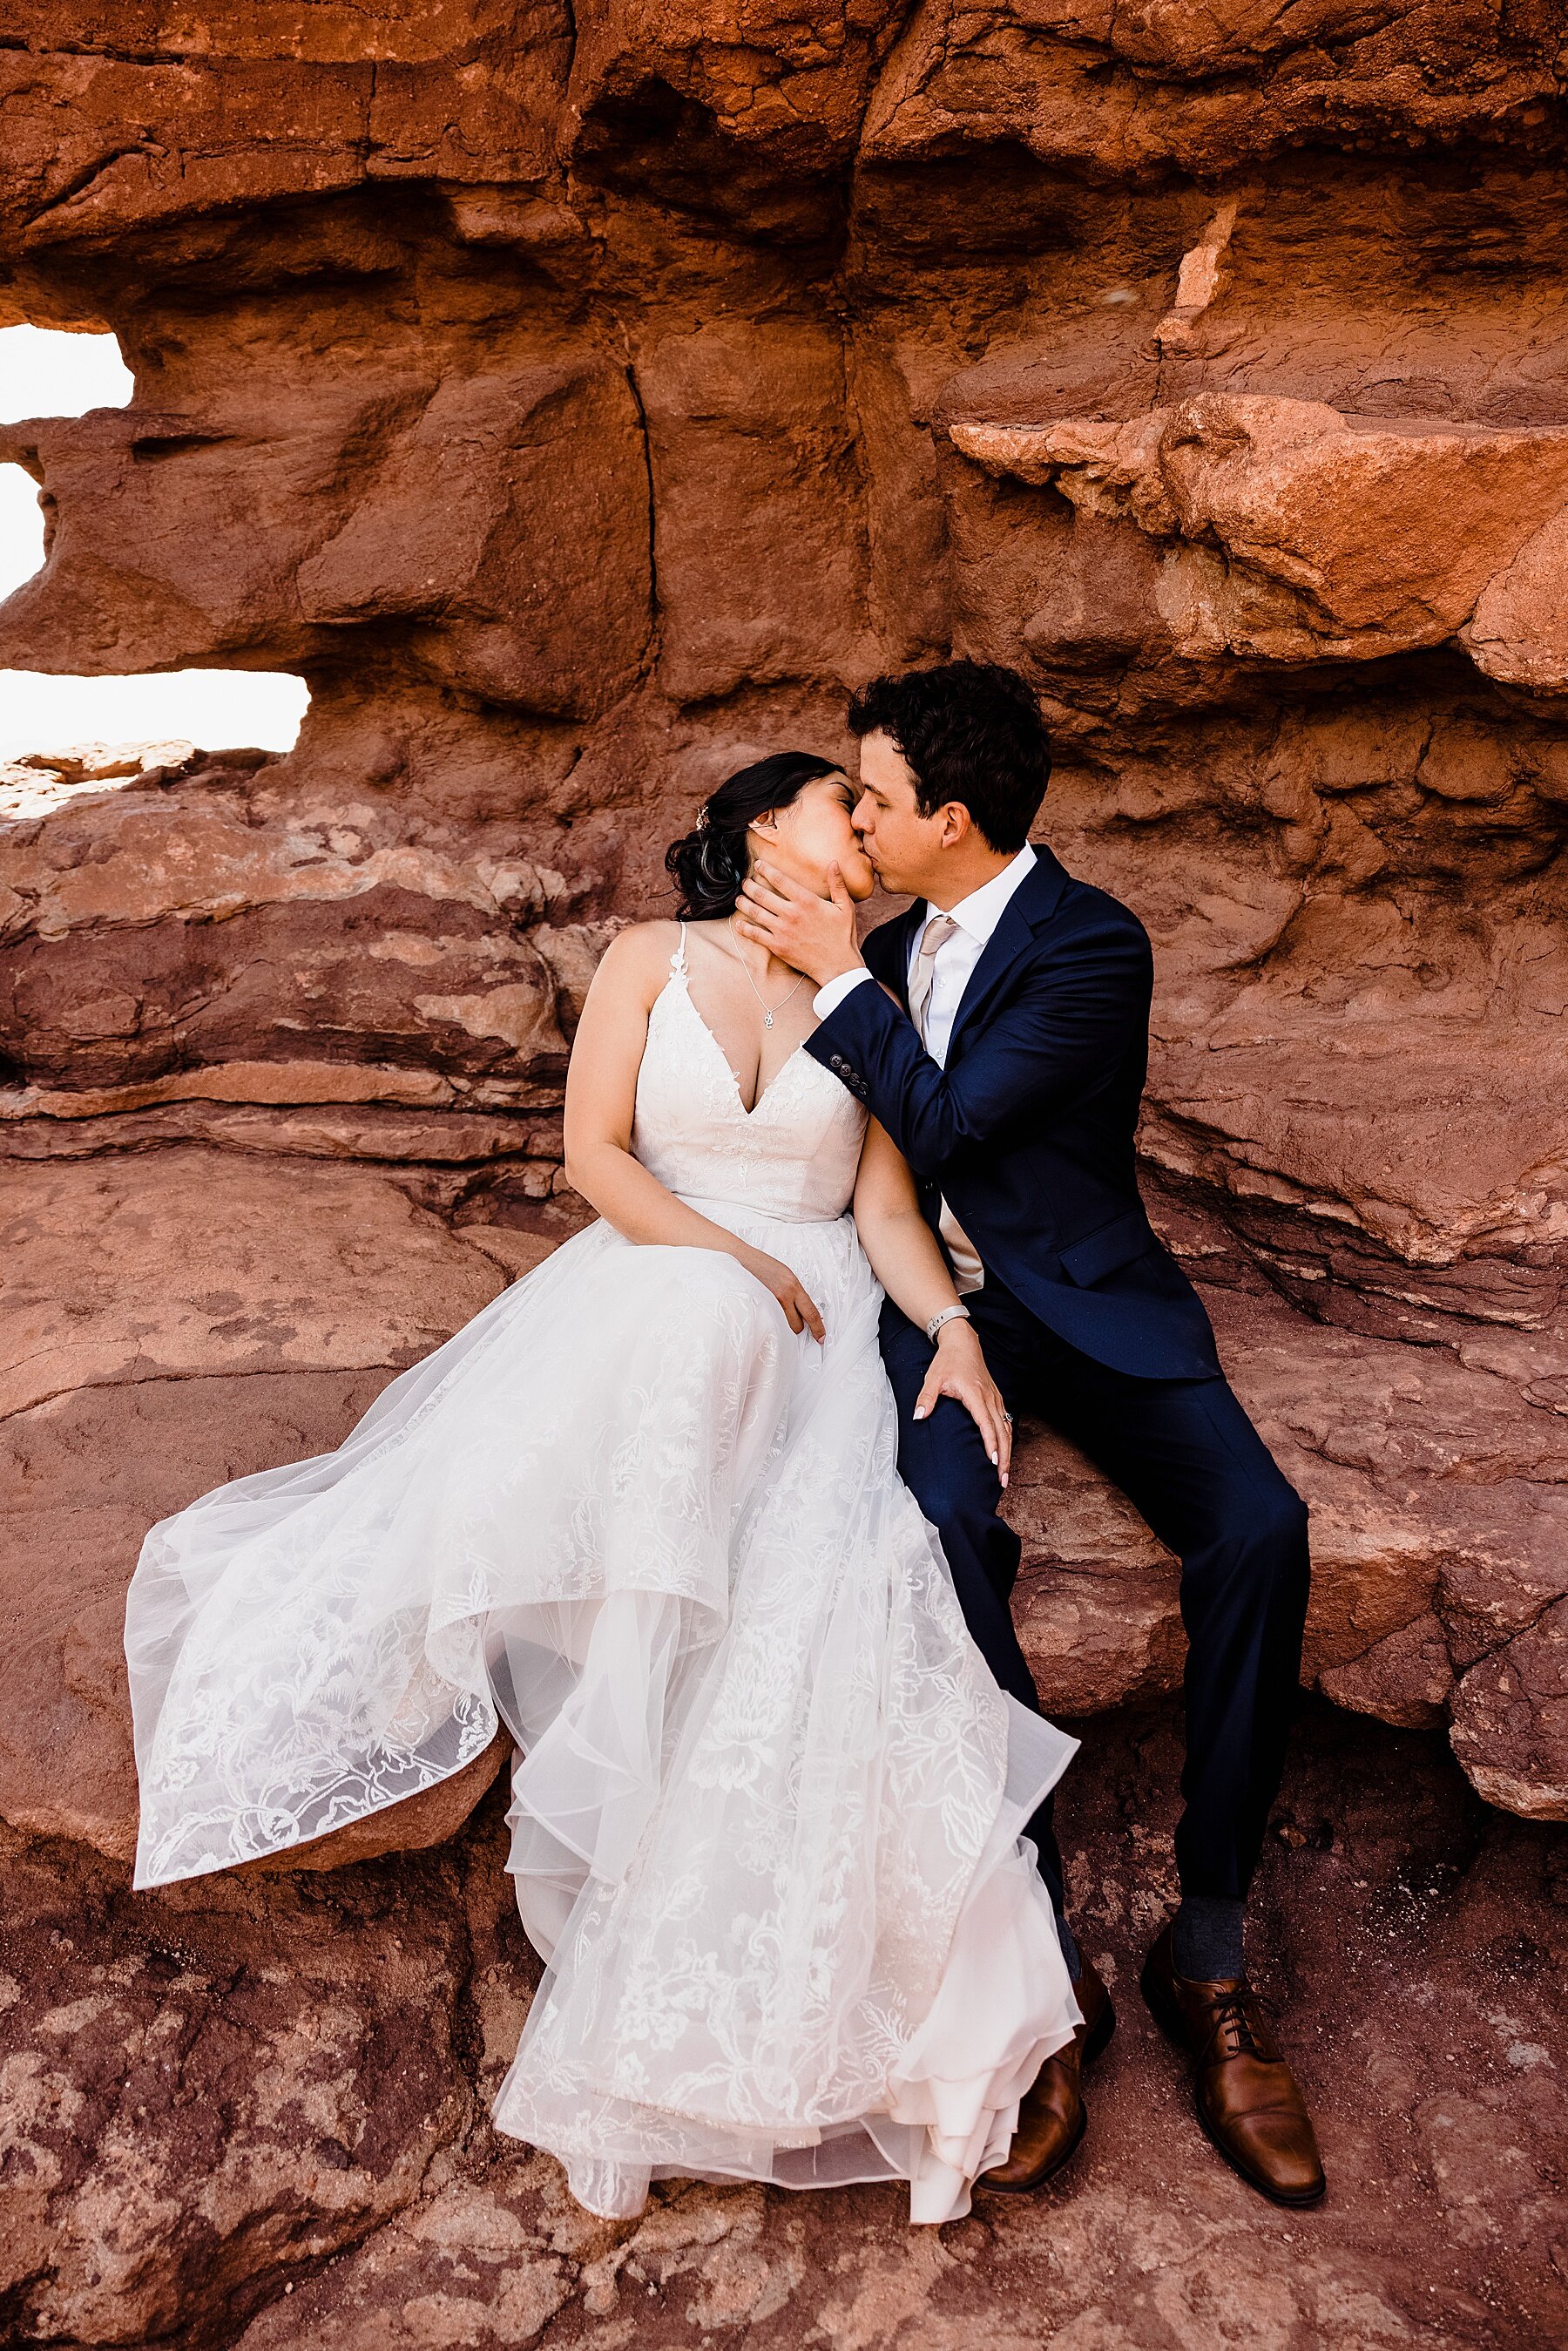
44	373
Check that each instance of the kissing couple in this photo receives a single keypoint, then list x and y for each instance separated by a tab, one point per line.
704	1509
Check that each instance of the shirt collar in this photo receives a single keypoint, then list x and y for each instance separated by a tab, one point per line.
980	911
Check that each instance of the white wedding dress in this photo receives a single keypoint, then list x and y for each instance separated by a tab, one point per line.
766	1819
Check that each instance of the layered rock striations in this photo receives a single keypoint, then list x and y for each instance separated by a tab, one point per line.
582	400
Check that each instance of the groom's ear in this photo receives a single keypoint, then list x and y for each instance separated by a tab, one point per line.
956	824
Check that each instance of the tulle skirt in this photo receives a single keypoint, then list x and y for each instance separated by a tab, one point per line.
766	1815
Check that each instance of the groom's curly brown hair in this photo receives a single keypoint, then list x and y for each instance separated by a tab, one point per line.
971	731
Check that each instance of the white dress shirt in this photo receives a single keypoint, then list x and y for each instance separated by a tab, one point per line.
976	917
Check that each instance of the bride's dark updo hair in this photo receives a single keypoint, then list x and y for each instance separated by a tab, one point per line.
709	864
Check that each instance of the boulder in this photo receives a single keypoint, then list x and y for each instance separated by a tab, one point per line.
183	1319
1510	1720
1437	1540
189	1316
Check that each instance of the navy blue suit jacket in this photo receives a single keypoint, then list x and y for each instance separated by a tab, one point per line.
1029	1131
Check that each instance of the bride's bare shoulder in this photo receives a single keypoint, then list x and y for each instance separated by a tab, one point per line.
636	964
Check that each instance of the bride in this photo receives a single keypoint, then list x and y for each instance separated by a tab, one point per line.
766	1814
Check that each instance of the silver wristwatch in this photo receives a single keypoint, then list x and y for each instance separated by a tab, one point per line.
947	1314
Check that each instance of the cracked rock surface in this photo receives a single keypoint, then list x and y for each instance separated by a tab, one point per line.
254	2111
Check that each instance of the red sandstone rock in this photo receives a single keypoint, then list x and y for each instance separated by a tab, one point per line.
412	1826
250	107
768	73
145	1362
256	2109
204	2094
1099	89
1510	1720
1301	534
1421	1499
508	524
265	1341
765	583
1517	631
1404	1678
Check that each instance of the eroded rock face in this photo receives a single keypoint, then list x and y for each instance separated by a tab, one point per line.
150	1355
582	401
255	2111
1292	533
202	2095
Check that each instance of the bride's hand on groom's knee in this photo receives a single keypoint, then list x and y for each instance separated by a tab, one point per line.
958	1370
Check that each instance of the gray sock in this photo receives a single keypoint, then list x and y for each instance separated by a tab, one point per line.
1070	1950
1206	1944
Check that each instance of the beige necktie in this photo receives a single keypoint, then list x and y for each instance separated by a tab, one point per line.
969	1274
933	938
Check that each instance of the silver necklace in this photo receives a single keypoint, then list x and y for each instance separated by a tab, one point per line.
768	1009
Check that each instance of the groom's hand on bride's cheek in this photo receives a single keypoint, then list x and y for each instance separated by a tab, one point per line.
814	935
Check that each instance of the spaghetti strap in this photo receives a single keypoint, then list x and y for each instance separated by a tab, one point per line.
677	960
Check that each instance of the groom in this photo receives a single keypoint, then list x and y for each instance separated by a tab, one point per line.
1000	1033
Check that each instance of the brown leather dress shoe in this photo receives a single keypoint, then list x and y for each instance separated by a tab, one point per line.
1051	2116
1245	2094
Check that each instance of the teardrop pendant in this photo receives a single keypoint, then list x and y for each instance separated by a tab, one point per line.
768	1009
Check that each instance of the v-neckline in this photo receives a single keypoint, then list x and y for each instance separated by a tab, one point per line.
684	977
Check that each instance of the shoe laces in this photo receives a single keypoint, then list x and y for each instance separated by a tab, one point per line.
1240	2027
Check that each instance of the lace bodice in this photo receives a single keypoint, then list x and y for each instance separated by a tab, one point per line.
792	1156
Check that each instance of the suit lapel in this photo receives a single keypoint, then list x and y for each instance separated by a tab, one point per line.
1032	904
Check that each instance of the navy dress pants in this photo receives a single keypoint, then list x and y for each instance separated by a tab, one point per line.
1187	1458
